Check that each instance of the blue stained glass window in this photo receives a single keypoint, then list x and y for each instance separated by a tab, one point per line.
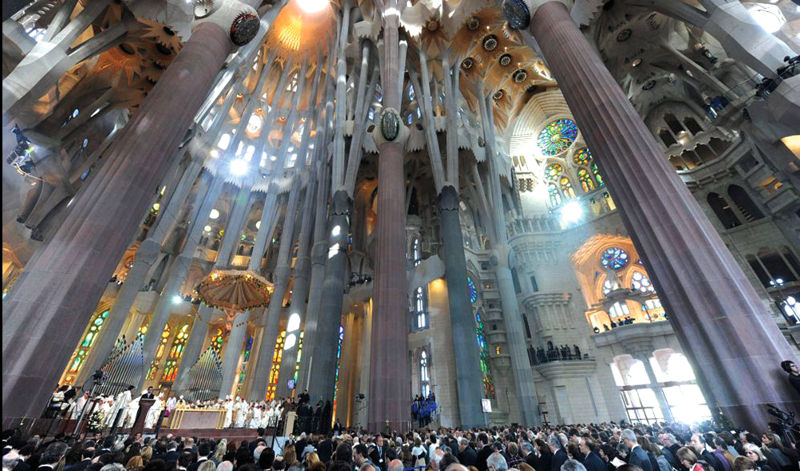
582	156
614	258
557	136
473	293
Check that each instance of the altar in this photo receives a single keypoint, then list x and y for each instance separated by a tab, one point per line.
197	418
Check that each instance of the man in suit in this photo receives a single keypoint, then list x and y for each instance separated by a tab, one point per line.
148	394
591	460
529	455
559	454
52	455
86	459
668	441
484	452
698	444
638	456
170	457
203	452
466	454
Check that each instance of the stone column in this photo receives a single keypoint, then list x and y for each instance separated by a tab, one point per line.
716	313
146	255
512	319
297	305
465	347
322	361
62	287
233	351
260	382
239	331
181	267
390	376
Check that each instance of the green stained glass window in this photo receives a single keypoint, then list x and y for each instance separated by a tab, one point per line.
557	136
552	172
582	156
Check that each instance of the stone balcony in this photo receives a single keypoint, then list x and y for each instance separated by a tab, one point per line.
632	333
566	368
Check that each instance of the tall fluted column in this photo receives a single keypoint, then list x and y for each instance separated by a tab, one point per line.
512	319
146	255
181	267
234	348
390	376
63	285
717	316
300	285
465	346
319	253
322	361
260	382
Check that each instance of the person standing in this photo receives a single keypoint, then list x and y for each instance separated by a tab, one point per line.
638	456
794	374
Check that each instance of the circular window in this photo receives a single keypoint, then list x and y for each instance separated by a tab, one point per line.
520	76
614	258
624	35
473	23
498	95
582	157
557	136
505	59
467	63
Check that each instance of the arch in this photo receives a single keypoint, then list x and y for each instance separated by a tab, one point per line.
672	122
424	373
744	203
723	211
692	125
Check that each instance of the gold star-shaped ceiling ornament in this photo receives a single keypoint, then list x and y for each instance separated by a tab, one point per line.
296	32
124	59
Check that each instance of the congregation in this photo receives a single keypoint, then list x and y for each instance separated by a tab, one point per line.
594	447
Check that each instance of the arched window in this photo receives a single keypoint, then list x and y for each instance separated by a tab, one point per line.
619	309
419	309
473	293
553	172
488	381
275	368
175	354
640	282
162	346
746	206
723	211
666	137
424	374
608	286
586	180
416	252
554	196
674	125
217	340
597	176
692	125
87	342
566	188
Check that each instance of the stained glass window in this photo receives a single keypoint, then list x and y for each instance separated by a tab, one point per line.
566	188
473	293
488	381
86	344
416	253
614	258
245	358
338	365
587	182
175	354
424	374
582	156
299	355
640	282
217	340
619	310
597	176
554	196
275	369
419	308
553	171
557	136
162	346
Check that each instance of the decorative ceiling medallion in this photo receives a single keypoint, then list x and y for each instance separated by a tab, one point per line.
473	23
520	76
517	14
390	124
203	8
499	94
432	25
649	85
467	63
244	28
505	59
624	35
490	42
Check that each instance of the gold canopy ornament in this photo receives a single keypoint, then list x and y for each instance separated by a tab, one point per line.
234	291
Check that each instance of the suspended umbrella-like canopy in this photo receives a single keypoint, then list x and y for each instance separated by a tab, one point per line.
234	291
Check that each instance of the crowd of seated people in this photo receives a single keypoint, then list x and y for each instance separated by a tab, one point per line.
592	447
